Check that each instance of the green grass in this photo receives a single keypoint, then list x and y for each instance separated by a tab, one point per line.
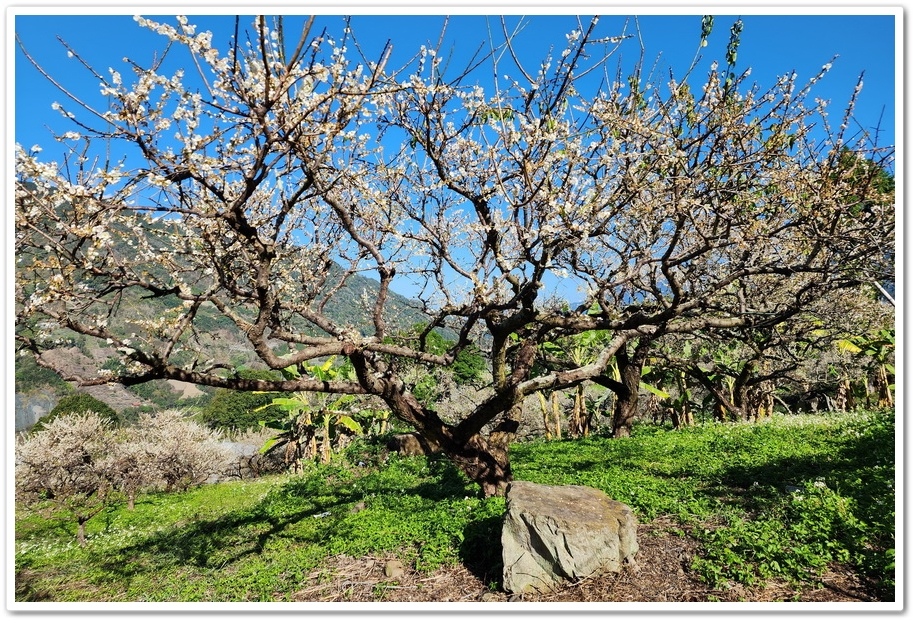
782	499
726	484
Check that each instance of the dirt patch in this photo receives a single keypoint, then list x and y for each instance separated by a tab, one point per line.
661	574
187	390
74	365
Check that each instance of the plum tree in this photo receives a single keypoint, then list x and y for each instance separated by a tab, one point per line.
668	203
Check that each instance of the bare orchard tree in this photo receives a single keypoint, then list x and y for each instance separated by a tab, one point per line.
742	368
660	201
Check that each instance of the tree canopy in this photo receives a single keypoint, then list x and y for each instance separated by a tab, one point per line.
675	210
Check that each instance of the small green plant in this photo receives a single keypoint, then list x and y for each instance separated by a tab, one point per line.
796	538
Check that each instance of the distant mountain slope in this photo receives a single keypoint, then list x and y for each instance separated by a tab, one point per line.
347	307
80	355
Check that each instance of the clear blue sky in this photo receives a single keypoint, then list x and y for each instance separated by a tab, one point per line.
770	44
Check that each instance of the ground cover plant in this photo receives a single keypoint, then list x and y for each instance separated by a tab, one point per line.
785	500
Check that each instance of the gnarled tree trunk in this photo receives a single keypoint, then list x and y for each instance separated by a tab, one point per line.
487	464
627	390
484	460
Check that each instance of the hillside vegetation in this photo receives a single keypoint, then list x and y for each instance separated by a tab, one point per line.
82	356
785	501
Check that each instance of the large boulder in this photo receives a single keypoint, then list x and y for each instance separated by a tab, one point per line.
557	534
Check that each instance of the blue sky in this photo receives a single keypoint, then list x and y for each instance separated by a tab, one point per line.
771	45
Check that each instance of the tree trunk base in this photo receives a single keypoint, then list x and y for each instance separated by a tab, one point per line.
484	463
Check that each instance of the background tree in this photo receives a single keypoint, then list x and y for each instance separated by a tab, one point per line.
179	452
79	461
77	403
133	463
573	351
660	201
878	350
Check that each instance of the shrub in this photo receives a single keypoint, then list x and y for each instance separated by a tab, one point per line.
235	410
230	409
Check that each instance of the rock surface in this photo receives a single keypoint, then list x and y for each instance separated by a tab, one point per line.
394	569
411	444
557	534
32	407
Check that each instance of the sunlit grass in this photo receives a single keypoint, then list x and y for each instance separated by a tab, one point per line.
779	499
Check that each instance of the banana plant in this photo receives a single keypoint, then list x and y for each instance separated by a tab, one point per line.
314	421
877	349
579	350
677	405
576	350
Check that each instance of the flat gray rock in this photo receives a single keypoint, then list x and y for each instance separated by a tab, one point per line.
557	534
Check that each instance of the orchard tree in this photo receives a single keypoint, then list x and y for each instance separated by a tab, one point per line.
131	456
78	462
245	180
176	452
65	467
166	451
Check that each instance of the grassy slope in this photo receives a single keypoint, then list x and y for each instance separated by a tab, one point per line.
726	484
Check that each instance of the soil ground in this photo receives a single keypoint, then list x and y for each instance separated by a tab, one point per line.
661	574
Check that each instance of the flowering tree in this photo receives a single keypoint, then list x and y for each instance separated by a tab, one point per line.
134	469
78	461
67	465
175	452
666	204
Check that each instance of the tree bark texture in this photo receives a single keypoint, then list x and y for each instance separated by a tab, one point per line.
626	406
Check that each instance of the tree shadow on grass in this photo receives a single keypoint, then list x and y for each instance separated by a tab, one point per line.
481	549
227	539
446	481
211	543
860	468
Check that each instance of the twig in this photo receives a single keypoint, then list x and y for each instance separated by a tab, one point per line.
846	592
